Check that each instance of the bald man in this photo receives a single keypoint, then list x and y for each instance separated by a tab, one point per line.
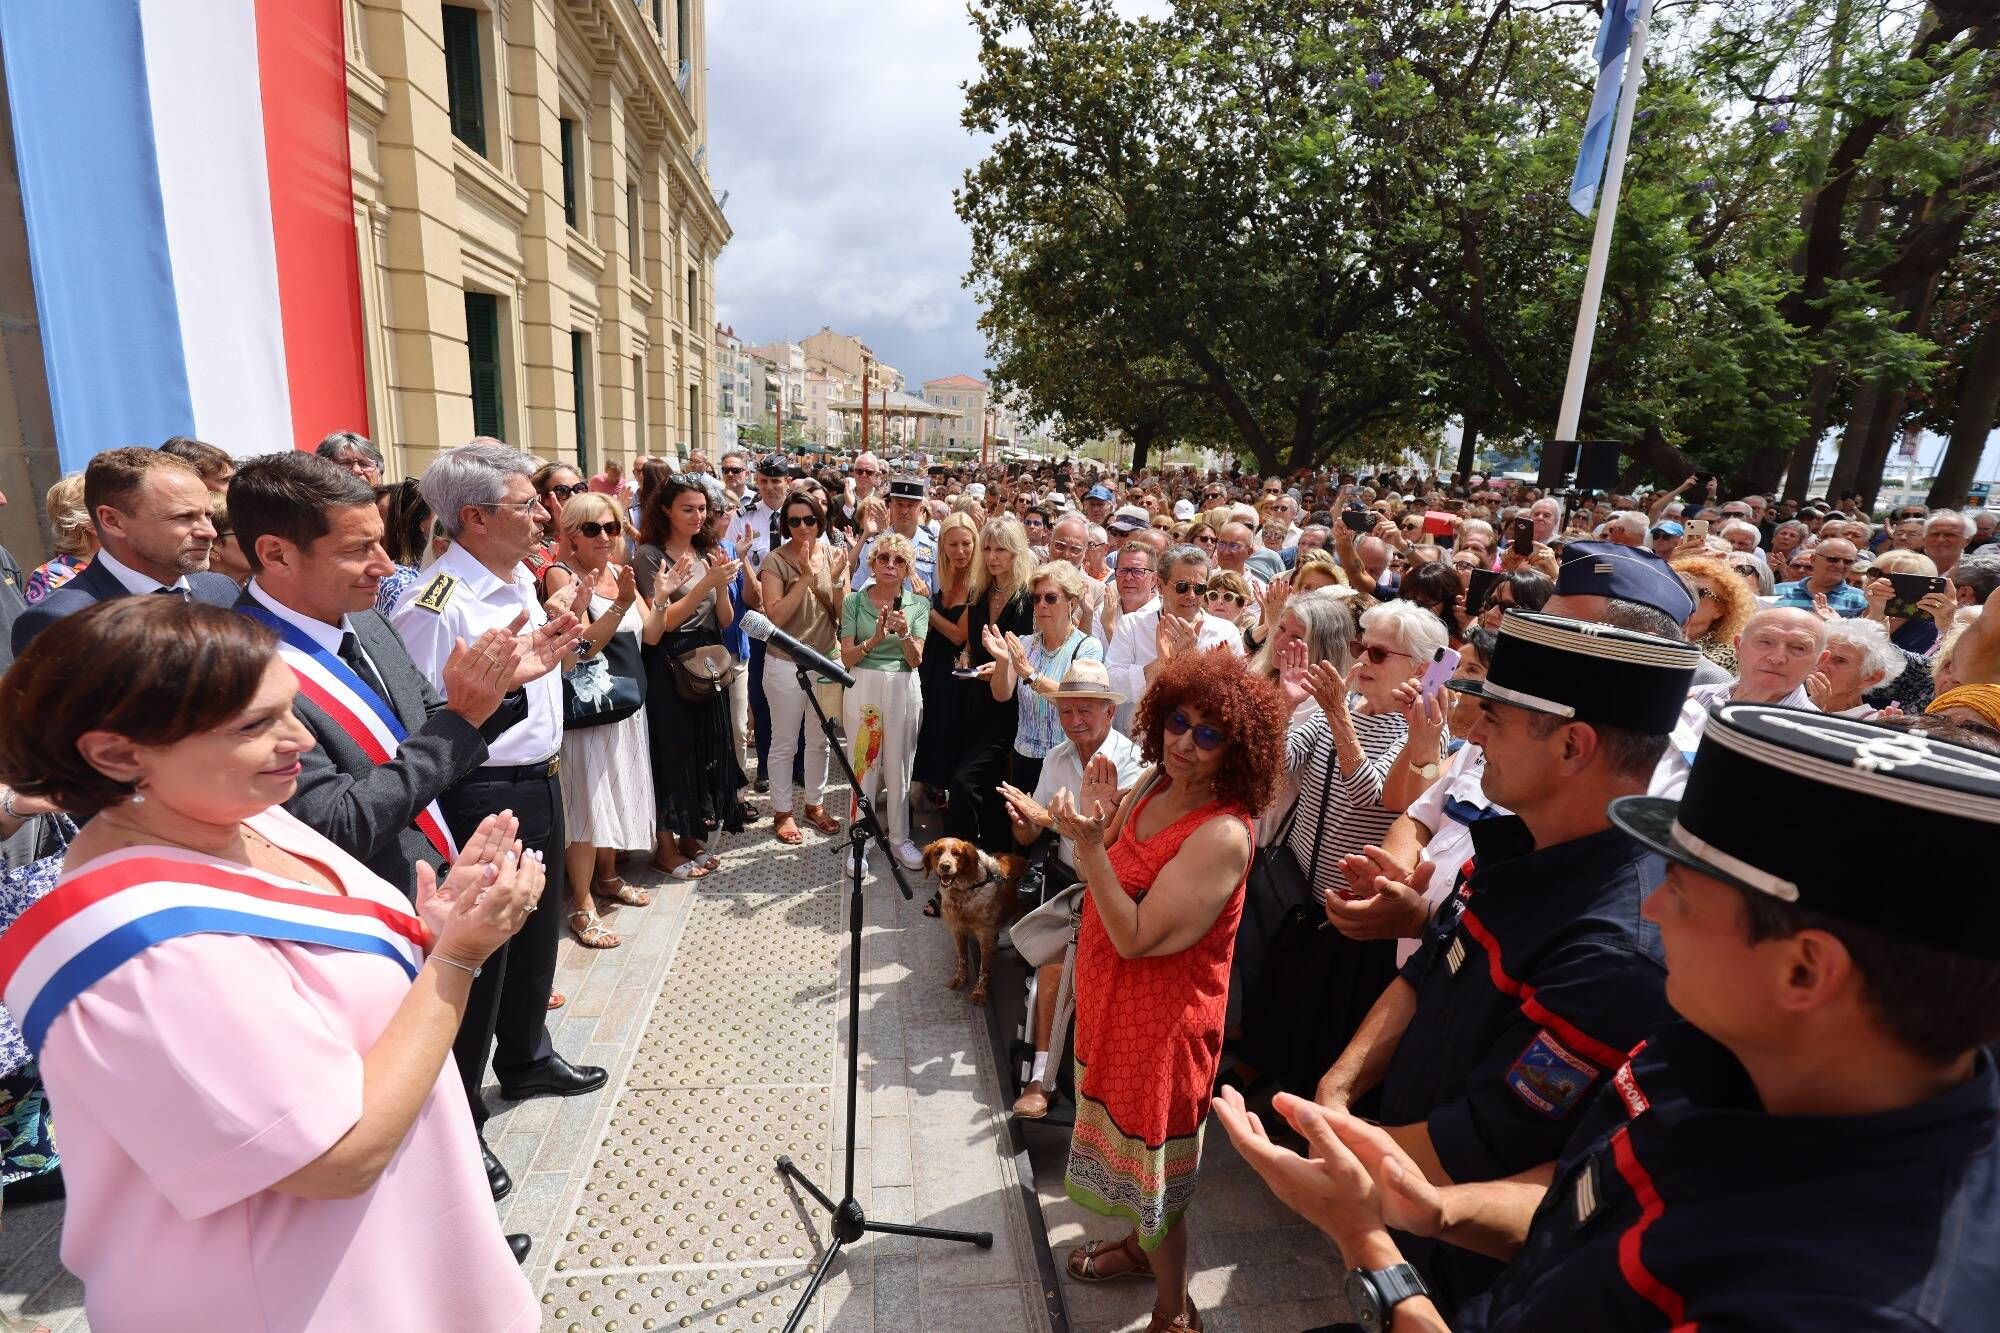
1775	652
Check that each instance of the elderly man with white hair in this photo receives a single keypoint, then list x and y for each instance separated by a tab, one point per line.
1776	650
1858	657
1627	527
1945	534
1741	534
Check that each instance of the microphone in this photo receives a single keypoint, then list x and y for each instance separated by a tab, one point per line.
759	627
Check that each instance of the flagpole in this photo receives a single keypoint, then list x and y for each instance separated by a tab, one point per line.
1607	217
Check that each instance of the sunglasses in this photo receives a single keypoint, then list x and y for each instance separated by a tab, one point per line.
1205	539
1376	653
566	491
734	471
1205	737
890	560
1221	596
1182	587
801	521
594	530
1050	598
1063	550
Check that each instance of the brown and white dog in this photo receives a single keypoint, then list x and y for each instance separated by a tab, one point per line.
977	900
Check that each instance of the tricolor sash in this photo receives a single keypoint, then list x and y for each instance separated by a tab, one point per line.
363	716
116	908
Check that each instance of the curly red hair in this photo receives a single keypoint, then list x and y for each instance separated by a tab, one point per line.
1245	707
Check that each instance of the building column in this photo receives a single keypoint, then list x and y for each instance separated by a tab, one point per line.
547	413
618	328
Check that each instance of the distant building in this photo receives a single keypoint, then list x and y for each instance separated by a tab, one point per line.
966	396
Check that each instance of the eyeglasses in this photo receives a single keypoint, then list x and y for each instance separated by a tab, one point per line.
1232	548
1051	598
1135	572
1703	594
801	521
734	471
523	505
566	491
1182	587
886	559
1205	736
1204	539
1064	550
1376	653
1220	596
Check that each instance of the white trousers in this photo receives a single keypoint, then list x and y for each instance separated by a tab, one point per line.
788	709
899	698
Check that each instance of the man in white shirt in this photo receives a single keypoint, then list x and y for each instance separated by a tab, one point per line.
1085	704
1179	623
750	537
484	498
1777	650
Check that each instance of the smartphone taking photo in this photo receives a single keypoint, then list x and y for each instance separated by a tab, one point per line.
1444	663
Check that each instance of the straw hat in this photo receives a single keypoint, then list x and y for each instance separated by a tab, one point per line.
1087	679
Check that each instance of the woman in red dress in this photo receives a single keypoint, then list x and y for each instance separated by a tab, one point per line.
1165	870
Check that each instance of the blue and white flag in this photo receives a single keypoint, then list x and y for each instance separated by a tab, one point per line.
1613	38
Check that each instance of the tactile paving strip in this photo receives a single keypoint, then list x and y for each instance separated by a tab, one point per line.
720	1028
689	1177
757	933
745	1298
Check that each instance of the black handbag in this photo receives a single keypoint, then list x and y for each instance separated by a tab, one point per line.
1277	886
608	686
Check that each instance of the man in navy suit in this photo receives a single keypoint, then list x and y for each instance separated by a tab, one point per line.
151	514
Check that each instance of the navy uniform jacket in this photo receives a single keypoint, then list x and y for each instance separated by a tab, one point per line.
1534	979
98	584
1681	1204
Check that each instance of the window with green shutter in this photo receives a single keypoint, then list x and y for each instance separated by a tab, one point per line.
569	171
684	48
482	349
632	254
463	89
579	361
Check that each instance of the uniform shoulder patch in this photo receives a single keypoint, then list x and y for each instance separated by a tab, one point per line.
437	592
1548	1077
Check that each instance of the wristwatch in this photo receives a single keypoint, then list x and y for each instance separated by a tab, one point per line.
1428	772
1373	1293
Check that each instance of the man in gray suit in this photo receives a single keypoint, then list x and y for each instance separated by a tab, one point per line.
313	537
151	514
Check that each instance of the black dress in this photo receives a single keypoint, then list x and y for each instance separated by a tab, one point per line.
944	705
986	744
695	773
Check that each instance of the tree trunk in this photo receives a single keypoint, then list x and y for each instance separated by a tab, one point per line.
1978	403
1883	432
1853	439
1760	476
1666	462
1142	444
1468	440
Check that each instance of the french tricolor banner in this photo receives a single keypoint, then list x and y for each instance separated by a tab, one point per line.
190	214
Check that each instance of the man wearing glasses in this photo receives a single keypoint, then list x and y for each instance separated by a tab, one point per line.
1177	623
1831	560
906	515
735	478
868	474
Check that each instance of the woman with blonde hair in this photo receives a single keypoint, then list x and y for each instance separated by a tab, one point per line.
1912	633
938	736
607	773
884	707
1028	670
75	538
1723	601
999	600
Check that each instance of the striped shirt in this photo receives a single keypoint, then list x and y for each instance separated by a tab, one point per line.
1353	815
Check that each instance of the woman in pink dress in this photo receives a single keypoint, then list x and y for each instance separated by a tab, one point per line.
245	1032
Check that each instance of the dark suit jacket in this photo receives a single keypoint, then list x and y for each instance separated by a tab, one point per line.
97	584
12	603
368	808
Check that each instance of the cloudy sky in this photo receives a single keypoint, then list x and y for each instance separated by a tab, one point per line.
834	127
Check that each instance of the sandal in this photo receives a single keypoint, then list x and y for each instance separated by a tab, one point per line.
685	870
817	816
618	891
1188	1322
1086	1262
557	999
787	829
592	935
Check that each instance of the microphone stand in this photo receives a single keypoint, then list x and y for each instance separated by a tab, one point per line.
849	1222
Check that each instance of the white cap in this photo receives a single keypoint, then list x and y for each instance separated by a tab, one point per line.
977	490
1183	510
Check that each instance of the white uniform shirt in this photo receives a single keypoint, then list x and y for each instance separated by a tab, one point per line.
459	598
1450	846
1063	771
1671	776
1133	648
750	535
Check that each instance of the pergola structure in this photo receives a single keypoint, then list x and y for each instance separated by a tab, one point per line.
886	404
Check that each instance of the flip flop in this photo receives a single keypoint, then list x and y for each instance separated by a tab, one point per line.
557	999
685	870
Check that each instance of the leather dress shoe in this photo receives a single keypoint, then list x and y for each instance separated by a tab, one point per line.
520	1245
497	1178
553	1077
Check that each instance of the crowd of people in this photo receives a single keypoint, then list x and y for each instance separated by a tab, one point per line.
1486	845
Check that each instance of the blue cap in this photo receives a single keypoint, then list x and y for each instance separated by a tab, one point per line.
1669	529
1099	493
1627	573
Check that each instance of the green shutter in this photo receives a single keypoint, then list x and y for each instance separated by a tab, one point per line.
463	89
681	30
578	360
482	348
569	171
632	227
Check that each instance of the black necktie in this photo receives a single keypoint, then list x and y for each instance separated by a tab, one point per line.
171	591
350	653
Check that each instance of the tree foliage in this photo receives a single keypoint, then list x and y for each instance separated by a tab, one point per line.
1305	229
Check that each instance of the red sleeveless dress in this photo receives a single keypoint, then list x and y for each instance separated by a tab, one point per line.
1148	1041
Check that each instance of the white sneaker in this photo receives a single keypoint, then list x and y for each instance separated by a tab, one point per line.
907	853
